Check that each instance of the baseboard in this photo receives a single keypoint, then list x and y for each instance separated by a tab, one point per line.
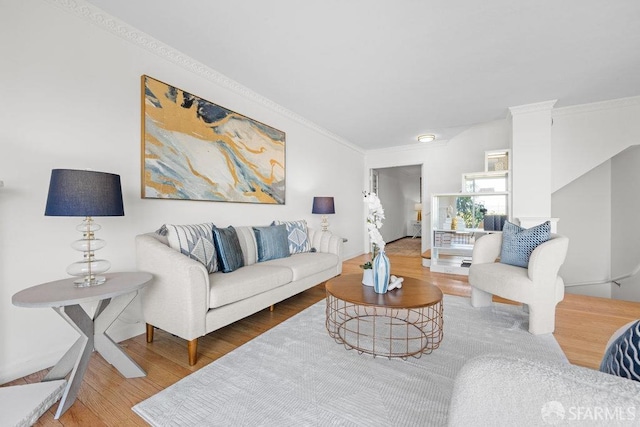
120	331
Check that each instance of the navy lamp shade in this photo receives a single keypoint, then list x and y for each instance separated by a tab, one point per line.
323	206
86	194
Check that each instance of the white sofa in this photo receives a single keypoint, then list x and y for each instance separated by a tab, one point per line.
495	390
185	300
538	286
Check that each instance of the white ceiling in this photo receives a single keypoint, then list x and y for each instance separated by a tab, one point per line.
380	72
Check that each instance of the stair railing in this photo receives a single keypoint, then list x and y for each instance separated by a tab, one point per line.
616	280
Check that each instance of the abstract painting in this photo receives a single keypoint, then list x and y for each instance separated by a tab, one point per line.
193	149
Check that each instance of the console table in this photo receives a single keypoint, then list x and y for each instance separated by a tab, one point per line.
65	298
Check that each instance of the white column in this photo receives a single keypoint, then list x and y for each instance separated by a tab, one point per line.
531	160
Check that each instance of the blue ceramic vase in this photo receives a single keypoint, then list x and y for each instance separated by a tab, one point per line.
381	271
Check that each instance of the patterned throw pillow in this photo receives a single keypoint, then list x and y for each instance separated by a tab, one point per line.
228	248
194	241
297	235
518	242
272	242
622	357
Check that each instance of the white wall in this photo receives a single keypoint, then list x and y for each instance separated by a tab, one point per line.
584	140
625	233
530	152
71	99
584	136
584	209
443	162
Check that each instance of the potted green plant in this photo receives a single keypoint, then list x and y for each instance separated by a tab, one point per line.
367	273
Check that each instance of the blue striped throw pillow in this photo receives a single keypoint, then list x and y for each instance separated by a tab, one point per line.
622	357
228	248
272	242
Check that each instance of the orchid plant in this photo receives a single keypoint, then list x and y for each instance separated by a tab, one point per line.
374	223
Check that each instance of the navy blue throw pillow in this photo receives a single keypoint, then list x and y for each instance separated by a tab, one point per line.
228	249
622	357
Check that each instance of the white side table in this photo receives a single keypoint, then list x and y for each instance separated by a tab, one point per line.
113	296
417	228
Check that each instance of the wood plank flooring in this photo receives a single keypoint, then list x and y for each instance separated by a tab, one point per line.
583	327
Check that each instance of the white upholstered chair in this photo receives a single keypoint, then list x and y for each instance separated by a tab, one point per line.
538	286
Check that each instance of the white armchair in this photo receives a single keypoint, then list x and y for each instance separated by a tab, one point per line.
538	286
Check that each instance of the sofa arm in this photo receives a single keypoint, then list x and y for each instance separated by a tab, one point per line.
177	299
487	248
324	241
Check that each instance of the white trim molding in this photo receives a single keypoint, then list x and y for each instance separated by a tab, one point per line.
119	28
597	106
532	108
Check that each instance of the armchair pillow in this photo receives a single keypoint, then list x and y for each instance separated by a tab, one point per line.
228	247
194	241
297	235
518	242
272	242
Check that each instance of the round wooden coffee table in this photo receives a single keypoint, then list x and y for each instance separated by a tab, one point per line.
401	323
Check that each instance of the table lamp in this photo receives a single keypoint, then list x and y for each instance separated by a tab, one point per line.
418	208
88	194
323	206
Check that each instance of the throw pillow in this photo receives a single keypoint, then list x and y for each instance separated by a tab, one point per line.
518	242
272	242
194	241
228	248
297	235
622	357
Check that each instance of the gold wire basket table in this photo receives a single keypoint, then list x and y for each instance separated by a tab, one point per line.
401	323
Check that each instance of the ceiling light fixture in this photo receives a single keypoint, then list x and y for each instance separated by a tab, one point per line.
426	138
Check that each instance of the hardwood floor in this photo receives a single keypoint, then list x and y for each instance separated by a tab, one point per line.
583	327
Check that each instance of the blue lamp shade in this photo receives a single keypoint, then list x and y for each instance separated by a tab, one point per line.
323	205
84	193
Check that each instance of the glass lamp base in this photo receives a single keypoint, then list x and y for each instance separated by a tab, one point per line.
84	282
87	270
324	223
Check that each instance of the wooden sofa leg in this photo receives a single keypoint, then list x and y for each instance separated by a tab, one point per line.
271	307
149	333
192	348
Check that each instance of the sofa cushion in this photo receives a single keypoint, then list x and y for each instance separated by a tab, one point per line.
306	264
194	241
246	282
622	356
518	242
272	242
297	235
228	248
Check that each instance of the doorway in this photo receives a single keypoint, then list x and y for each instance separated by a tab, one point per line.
400	191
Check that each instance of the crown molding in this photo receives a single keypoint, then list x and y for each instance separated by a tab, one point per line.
119	28
417	146
532	108
597	106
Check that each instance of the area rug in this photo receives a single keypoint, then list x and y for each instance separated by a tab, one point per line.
404	247
296	375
